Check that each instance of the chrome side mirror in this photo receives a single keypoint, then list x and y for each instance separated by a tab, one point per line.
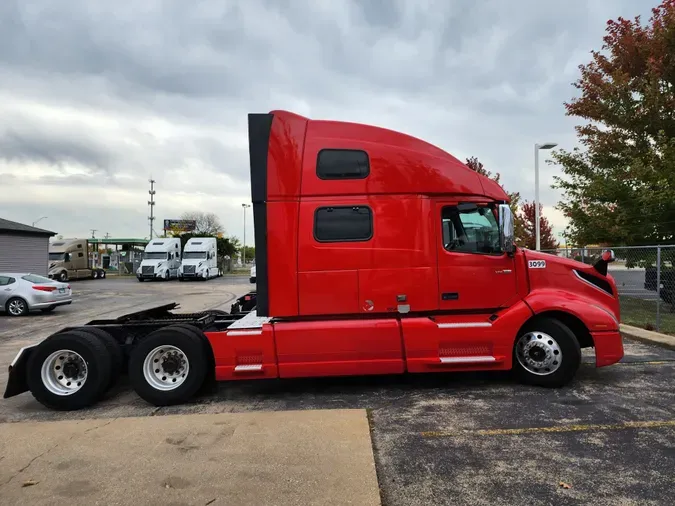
506	232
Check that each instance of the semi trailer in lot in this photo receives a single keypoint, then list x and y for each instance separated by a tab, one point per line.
161	260
69	259
200	259
376	253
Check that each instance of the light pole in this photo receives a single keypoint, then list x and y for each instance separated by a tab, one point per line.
243	249
38	220
537	147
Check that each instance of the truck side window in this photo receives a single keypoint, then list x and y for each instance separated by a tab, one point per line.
343	224
80	254
471	231
342	164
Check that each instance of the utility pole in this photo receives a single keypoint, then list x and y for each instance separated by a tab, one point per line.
537	147
93	233
107	235
151	203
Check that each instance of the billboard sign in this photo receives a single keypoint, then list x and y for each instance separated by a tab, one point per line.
180	225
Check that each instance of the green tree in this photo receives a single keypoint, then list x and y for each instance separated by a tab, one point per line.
620	187
514	198
250	253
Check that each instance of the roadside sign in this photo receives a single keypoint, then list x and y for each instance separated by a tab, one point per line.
180	225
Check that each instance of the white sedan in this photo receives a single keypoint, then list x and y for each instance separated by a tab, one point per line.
22	292
252	278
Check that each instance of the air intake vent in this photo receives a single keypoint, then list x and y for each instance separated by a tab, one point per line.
599	283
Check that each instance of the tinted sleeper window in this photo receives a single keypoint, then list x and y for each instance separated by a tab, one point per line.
334	224
342	164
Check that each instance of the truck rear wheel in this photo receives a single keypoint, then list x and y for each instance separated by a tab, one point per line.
210	378
69	371
168	366
546	354
114	350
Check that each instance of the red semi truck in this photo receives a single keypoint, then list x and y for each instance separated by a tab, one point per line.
376	253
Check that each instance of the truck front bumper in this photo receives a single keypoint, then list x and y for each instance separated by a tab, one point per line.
608	347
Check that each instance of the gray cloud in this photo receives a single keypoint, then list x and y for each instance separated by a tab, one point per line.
55	149
163	89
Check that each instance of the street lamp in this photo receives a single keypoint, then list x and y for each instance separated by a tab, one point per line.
38	220
243	250
537	147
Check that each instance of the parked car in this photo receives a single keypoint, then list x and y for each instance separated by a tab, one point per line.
252	278
24	292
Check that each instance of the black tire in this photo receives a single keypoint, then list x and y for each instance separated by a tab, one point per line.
101	274
63	277
114	350
94	274
140	280
96	357
20	304
48	309
193	349
210	379
568	349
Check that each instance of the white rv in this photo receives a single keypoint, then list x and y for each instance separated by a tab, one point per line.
161	260
200	259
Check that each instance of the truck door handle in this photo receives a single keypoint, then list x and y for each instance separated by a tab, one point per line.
503	271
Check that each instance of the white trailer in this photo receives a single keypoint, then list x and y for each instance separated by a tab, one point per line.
200	259
161	260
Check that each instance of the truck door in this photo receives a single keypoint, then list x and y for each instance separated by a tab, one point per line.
473	272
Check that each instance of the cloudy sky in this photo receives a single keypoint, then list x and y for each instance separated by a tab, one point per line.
97	96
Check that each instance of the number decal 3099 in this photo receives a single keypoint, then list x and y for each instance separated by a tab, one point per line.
536	264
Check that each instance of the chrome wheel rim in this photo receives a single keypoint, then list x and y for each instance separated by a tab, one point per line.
165	368
64	372
538	353
16	307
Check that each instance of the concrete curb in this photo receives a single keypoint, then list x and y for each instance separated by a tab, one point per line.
647	336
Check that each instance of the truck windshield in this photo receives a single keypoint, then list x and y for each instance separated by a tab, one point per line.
194	255
57	256
471	231
154	256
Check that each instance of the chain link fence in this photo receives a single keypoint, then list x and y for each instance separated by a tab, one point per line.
645	280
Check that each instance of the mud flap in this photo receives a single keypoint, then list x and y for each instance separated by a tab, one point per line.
16	383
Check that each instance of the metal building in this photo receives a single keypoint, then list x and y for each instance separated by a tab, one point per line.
23	248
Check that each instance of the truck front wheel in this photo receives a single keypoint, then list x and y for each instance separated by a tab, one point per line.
63	277
546	354
69	371
168	366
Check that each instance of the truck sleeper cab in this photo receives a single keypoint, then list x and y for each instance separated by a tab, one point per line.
200	259
69	259
161	260
376	253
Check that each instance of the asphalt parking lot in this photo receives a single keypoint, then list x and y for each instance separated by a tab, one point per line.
609	438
